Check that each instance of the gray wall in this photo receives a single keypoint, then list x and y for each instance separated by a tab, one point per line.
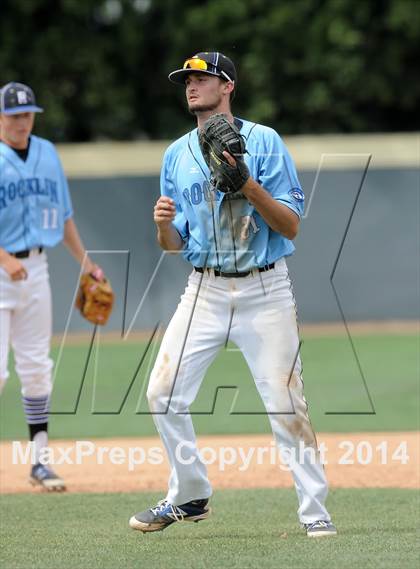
377	276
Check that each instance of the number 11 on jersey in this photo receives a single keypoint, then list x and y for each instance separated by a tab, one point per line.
50	218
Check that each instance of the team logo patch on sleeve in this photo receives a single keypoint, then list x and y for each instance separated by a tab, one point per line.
297	194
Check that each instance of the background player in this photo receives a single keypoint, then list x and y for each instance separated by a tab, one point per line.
239	288
35	213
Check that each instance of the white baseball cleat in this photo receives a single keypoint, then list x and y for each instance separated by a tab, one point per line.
320	528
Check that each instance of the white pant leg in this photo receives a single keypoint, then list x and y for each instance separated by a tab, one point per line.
181	364
31	330
264	327
9	298
5	315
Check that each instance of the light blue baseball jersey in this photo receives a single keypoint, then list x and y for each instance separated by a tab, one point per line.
34	197
225	231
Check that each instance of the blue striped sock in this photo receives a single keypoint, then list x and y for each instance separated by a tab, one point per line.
36	409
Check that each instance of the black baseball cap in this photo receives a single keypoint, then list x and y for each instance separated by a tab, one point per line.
18	98
209	62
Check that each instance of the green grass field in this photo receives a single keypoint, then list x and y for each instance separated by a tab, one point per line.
333	383
248	529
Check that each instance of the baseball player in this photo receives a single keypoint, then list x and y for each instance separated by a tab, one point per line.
35	214
237	243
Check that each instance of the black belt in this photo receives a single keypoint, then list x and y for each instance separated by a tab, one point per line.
25	254
218	273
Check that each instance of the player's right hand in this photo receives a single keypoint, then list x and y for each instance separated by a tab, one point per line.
14	268
164	212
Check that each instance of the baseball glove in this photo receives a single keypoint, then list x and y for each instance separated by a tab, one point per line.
216	136
95	298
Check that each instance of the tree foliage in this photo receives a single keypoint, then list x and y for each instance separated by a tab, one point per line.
305	66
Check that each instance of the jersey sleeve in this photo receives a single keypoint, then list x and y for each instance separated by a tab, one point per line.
277	173
167	188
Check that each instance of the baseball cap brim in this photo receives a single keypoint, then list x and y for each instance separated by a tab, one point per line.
179	75
23	109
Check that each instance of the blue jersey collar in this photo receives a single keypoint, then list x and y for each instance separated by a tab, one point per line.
28	165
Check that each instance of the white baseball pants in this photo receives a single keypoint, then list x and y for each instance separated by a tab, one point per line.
25	323
263	326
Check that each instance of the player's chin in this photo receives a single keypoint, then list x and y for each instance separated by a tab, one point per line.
21	139
199	107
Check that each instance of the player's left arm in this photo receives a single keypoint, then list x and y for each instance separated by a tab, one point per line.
274	198
277	215
74	244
